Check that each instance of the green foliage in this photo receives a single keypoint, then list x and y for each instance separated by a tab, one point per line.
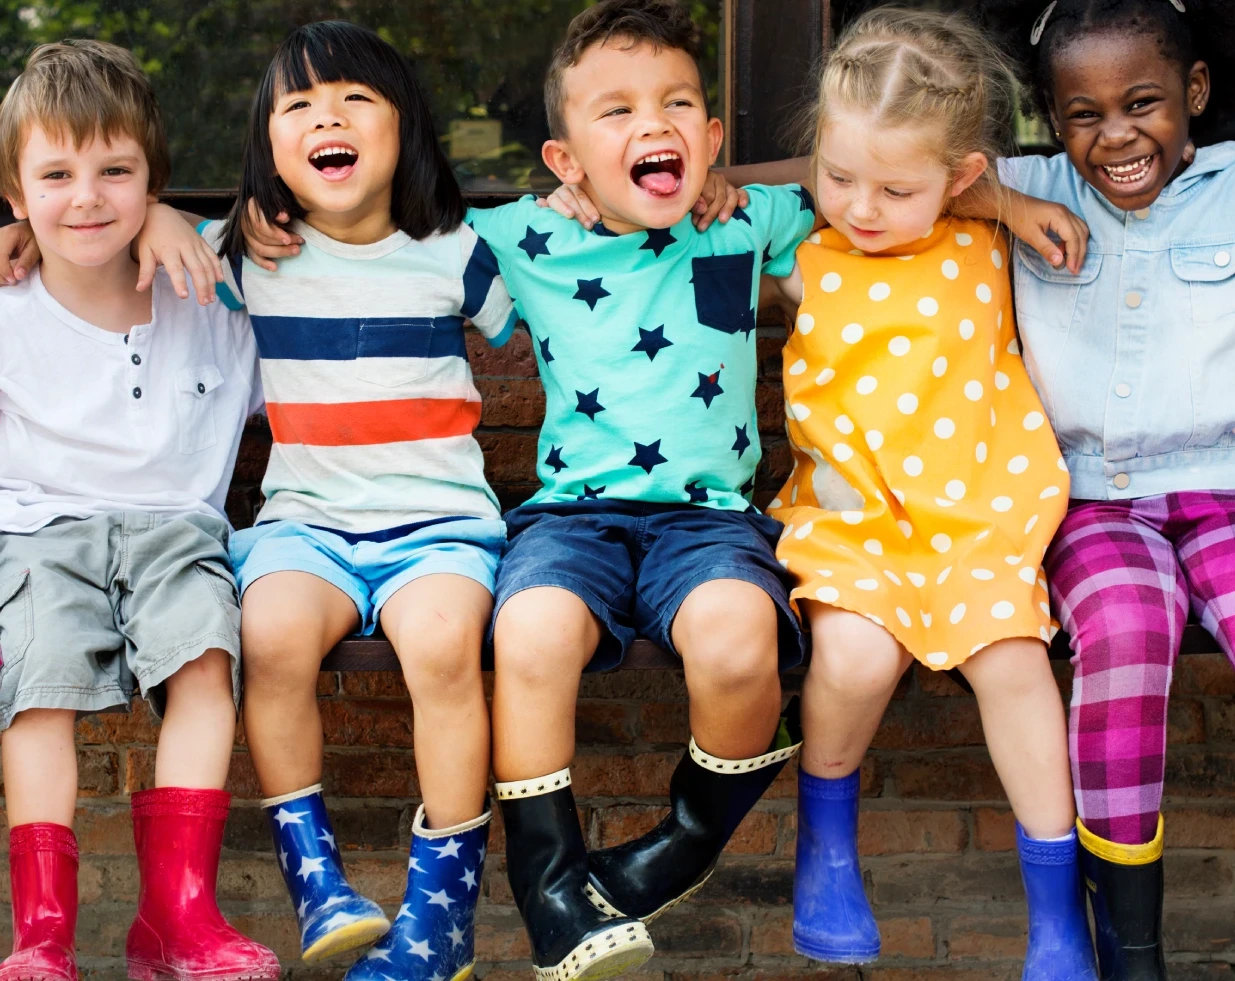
477	59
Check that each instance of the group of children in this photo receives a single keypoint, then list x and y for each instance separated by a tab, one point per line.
929	516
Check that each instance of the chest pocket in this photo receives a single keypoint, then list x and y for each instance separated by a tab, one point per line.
195	399
394	353
1052	297
722	291
1209	271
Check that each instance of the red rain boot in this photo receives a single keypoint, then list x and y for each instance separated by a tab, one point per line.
43	873
179	933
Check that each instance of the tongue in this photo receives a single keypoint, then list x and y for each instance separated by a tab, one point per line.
659	182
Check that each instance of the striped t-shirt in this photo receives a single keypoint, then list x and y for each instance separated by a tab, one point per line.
368	389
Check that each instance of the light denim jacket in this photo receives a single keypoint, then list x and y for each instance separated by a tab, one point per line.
1134	358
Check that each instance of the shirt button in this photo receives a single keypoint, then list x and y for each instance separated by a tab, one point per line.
1133	300
136	359
1222	259
1142	214
201	389
1121	481
137	393
1122	390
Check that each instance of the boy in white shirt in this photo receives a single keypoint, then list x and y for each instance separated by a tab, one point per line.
120	418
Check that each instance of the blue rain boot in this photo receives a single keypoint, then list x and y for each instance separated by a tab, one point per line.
832	919
432	936
333	917
1060	946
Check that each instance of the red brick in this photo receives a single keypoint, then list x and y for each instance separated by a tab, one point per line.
1200	772
664	722
624	822
370	773
373	684
918	724
500	936
1204	674
1186	722
1221	722
773	934
770	405
994	830
385	723
104	829
241	777
508	456
938	684
899	832
1201	828
907	936
987	937
951	777
511	401
694	932
136	726
603	722
1007	971
514	358
611	775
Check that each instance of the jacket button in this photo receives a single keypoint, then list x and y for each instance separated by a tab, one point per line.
1121	481
1122	390
137	393
1142	214
1222	259
201	389
136	359
1133	300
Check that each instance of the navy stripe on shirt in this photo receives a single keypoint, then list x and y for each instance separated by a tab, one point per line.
478	278
345	339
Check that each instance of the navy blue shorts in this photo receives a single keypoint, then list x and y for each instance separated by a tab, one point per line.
633	565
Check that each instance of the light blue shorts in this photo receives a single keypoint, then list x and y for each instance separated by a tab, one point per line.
371	568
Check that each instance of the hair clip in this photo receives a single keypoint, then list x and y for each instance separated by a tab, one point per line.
1039	26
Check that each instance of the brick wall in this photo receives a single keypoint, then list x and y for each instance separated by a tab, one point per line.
936	831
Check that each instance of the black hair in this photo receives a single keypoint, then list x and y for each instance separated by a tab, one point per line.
1205	32
425	195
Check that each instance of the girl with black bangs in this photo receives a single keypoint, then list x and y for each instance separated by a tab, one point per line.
1134	360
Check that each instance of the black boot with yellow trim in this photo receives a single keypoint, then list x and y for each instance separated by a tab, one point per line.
1125	890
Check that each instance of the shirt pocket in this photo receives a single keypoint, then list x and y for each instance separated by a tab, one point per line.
195	401
1052	297
723	291
1209	271
393	354
16	617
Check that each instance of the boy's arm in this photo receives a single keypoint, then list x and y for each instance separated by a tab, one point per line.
19	252
795	170
1049	228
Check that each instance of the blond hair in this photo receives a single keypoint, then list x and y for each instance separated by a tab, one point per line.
83	89
922	69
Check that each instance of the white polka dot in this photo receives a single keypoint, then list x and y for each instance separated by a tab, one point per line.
958	613
913	466
1014	347
939	366
955	489
852	333
880	291
1029	575
1033	421
1044	608
984	293
844	424
851	517
907	403
867	585
1002	381
1048	493
1030	523
928	306
899	495
899	346
1002	504
917	579
827	594
991	354
893	577
926	618
784	563
1044	634
776	503
874	546
798	367
984	575
944	502
806	323
941	543
1062	464
867	384
874	439
873	619
830	282
992	415
825	376
786	532
979	452
973	390
905	527
842	452
964	239
903	617
982	534
937	658
1018	464
1013	559
950	269
793	495
1002	610
976	647
800	412
967	329
945	428
814	238
804	531
999	319
997	258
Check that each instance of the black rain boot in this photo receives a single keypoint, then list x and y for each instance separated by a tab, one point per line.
1125	890
546	861
709	797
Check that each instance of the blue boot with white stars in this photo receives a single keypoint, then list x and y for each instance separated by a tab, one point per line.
432	937
333	918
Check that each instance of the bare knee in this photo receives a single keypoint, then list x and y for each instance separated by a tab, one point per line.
206	678
854	656
542	632
726	631
1016	667
440	652
282	647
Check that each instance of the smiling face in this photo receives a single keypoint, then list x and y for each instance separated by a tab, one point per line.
882	187
336	147
85	204
639	139
1123	110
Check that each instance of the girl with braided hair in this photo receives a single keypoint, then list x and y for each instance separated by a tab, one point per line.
1133	359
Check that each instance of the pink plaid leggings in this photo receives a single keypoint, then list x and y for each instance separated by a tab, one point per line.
1123	575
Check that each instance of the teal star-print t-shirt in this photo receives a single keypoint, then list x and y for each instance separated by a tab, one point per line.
646	346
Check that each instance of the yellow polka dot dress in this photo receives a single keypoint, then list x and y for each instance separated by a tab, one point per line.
926	483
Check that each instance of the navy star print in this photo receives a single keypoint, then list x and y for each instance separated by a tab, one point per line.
591	292
554	459
544	350
767	253
534	243
647	456
697	494
747	488
741	440
652	342
741	215
658	240
589	404
805	201
591	493
709	388
602	231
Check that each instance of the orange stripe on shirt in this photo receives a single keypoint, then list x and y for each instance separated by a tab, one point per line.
370	423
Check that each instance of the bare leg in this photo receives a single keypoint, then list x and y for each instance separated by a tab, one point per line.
1026	733
289	622
199	725
437	624
726	633
40	767
855	667
543	640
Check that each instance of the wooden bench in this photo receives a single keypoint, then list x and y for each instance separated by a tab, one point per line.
376	654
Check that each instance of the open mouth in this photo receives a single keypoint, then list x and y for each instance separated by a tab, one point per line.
1131	175
660	174
334	160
